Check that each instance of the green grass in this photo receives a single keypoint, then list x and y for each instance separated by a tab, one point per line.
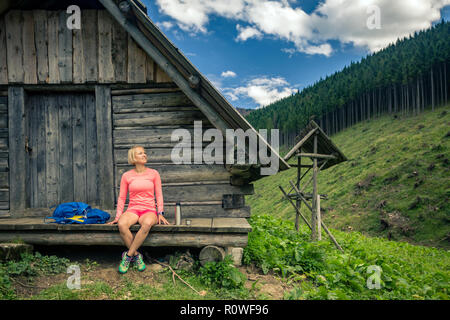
401	165
320	271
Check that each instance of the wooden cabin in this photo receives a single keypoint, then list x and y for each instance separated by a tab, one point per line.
73	101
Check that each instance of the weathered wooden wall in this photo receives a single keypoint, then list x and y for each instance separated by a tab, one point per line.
148	120
36	47
4	153
37	50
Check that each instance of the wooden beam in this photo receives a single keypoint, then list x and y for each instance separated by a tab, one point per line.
154	239
299	144
104	146
296	209
316	155
17	153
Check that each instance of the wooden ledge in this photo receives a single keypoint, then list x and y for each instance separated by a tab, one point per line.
202	225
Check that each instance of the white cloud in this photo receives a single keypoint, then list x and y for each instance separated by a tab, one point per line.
246	33
342	20
166	25
263	91
228	74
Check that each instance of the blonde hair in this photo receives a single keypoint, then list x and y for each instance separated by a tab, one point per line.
131	158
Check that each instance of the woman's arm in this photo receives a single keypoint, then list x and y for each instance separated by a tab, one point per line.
122	197
158	192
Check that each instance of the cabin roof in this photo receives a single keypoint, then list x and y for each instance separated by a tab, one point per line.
324	145
190	80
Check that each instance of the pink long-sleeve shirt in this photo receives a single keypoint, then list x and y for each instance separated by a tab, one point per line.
143	187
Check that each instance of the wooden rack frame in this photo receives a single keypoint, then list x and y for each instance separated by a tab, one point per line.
321	156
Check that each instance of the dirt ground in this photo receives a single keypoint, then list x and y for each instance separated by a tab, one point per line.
101	263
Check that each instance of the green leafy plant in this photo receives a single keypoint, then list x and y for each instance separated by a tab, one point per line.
222	274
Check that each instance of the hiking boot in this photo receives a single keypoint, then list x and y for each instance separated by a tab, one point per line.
139	261
125	263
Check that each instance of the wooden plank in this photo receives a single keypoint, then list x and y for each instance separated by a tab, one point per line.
64	103
53	51
17	128
104	148
162	76
40	39
145	136
89	29
31	179
136	63
205	211
119	92
4	195
205	192
150	68
184	173
65	50
154	239
119	52
29	48
4	180
158	118
4	144
91	152
105	63
154	155
14	46
3	120
52	152
79	148
128	103
79	67
206	225
201	192
3	52
230	225
41	150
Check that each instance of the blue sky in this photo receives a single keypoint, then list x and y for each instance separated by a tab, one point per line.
258	51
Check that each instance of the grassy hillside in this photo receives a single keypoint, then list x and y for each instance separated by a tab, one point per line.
396	183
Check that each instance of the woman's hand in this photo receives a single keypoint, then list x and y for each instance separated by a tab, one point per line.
162	219
113	222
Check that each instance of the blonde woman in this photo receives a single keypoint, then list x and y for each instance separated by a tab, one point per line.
143	185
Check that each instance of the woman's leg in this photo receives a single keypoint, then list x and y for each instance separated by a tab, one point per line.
147	221
126	220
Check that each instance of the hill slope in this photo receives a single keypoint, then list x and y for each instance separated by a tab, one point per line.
396	183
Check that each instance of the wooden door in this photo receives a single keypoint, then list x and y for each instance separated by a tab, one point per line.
61	149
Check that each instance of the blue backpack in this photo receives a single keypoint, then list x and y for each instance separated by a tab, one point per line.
78	212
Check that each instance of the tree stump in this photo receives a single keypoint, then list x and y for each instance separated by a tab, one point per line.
211	254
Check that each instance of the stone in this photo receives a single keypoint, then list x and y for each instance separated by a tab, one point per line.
236	254
13	251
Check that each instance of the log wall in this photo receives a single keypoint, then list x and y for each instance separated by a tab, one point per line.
36	47
149	120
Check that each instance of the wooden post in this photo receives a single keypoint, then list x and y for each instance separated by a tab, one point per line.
298	202
314	195
319	218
